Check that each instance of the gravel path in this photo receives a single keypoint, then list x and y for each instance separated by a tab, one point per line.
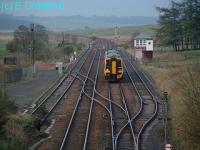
26	91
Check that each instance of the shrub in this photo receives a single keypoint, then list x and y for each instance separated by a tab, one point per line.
185	125
7	107
16	138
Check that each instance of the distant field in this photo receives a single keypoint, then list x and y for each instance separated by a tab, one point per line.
5	37
193	55
120	40
175	59
111	31
167	66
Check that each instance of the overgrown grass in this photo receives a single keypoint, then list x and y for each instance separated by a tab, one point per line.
6	109
15	136
174	59
192	55
178	74
185	106
13	125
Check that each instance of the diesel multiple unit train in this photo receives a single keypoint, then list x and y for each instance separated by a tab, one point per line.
113	66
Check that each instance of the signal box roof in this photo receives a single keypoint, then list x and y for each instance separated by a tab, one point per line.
143	36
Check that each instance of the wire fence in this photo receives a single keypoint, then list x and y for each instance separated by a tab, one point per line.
14	75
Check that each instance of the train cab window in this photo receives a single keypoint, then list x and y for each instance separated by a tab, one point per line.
108	64
119	65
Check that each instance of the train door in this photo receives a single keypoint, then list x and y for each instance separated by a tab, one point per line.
114	67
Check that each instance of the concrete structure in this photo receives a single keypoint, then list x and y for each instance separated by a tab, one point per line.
143	45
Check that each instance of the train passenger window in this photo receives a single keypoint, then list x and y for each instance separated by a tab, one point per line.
107	64
119	64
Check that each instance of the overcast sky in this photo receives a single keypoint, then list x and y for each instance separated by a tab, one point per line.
95	7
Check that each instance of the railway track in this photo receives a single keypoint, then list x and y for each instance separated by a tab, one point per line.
54	97
78	128
148	104
66	122
53	89
96	114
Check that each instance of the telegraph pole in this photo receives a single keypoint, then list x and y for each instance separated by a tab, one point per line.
63	38
33	48
2	84
167	145
165	95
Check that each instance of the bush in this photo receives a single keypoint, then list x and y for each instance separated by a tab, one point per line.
10	133
7	107
185	125
15	136
68	50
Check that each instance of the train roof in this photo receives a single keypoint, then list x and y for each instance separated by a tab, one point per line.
112	54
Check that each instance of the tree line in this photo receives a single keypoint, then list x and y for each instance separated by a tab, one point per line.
23	40
179	25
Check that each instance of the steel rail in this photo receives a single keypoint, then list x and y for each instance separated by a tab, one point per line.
100	103
108	110
154	100
139	112
128	117
91	105
59	84
140	101
76	106
107	99
61	97
111	119
141	105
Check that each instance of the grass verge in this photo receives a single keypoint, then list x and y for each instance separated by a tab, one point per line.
178	74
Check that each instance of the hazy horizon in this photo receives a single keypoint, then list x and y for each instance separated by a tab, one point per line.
34	15
89	8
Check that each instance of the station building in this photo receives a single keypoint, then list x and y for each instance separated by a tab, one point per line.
143	46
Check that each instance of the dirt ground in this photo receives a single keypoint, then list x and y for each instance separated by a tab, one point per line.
6	37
